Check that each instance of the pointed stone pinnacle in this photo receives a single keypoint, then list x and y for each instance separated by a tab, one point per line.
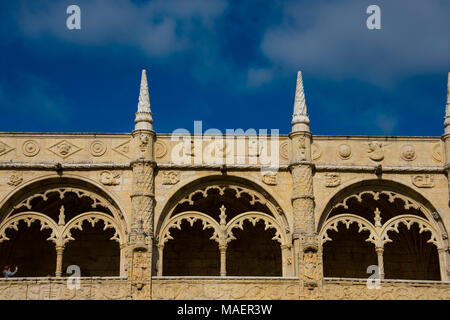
144	120
447	107
300	119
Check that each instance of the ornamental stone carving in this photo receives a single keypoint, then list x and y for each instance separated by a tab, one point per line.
376	150
344	151
30	148
437	153
123	149
423	180
160	149
97	148
408	153
4	148
144	140
270	179
316	151
15	179
109	178
284	150
170	177
332	179
64	149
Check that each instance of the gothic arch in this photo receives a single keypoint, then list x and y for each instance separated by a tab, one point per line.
362	204
259	207
87	203
30	188
213	181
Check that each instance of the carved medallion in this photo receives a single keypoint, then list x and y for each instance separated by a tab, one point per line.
284	150
4	148
423	180
97	148
144	140
64	149
160	149
408	152
332	179
344	151
15	179
170	177
376	150
109	178
30	148
270	179
437	153
123	149
316	151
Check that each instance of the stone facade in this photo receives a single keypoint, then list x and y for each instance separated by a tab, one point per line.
332	207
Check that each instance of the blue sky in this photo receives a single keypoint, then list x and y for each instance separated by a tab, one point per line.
231	64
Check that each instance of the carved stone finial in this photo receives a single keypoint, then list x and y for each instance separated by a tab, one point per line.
447	108
300	118
61	217
377	218
144	120
223	216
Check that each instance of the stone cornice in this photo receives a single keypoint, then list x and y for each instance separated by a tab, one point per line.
64	166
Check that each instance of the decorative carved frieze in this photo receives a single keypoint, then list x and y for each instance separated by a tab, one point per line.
15	179
376	150
64	149
408	153
143	141
124	149
316	151
332	179
97	148
160	149
170	177
30	148
284	150
423	180
4	148
270	179
437	153
109	178
344	151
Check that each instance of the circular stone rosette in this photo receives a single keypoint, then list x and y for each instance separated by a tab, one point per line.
284	150
97	148
160	149
344	151
30	148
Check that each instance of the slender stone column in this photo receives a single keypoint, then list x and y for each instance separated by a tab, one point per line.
379	251
443	264
287	260
306	245
59	260
160	260
140	241
223	260
444	257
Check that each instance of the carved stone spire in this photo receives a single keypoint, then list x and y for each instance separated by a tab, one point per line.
144	120
447	108
300	119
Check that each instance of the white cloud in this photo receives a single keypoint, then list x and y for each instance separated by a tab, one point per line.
332	39
258	76
159	28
